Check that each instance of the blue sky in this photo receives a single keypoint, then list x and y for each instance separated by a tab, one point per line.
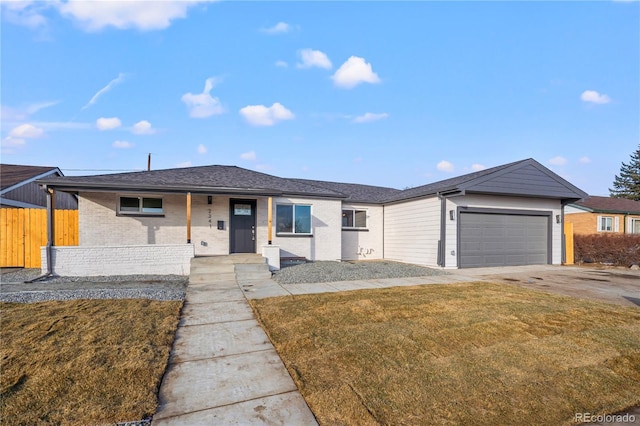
394	94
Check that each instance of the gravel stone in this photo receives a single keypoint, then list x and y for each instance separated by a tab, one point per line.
327	271
155	287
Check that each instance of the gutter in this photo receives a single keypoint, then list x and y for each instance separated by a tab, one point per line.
49	246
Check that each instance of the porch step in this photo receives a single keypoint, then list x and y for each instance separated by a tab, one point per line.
252	271
241	267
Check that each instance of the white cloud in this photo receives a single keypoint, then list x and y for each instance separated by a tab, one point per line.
313	58
122	144
143	128
108	123
203	104
445	166
250	156
558	161
282	64
260	115
25	13
279	28
594	97
584	160
140	15
370	116
24	112
18	135
97	15
353	72
477	167
184	164
27	131
201	149
119	79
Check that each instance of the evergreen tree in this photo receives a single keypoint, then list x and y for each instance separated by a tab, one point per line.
627	184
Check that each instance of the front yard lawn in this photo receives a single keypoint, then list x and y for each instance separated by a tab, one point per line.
83	362
473	353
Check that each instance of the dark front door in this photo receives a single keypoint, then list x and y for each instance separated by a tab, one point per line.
242	227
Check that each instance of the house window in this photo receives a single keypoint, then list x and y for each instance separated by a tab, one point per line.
140	205
293	219
634	226
607	224
354	218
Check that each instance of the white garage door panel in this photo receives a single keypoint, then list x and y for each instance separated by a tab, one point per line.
488	239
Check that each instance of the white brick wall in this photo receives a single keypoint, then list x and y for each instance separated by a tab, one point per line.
99	225
326	225
363	245
120	260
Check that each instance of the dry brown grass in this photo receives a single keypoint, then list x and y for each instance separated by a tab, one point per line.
83	362
476	353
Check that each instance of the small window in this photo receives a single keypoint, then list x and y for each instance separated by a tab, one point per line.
293	219
607	224
140	205
354	218
635	226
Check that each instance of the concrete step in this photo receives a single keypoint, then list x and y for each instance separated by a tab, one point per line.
253	271
253	276
211	277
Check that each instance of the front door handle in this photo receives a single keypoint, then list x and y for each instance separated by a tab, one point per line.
253	233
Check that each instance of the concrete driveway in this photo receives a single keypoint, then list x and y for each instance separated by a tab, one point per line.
609	284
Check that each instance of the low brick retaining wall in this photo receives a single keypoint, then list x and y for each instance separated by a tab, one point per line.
81	261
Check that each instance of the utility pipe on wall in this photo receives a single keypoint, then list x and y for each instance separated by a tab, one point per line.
269	219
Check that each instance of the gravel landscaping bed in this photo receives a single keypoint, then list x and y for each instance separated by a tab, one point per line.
326	271
155	287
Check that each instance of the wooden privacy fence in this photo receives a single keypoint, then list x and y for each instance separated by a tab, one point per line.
24	231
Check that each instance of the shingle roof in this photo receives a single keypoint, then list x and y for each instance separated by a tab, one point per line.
520	178
355	193
446	185
12	174
609	205
204	179
524	178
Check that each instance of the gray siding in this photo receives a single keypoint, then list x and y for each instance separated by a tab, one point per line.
32	193
527	180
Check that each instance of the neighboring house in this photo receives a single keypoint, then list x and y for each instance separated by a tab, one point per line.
595	215
18	188
506	215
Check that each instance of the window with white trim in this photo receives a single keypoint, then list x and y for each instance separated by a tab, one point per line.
128	205
607	224
353	218
294	219
634	226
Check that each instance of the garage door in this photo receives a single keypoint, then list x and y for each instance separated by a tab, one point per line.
488	239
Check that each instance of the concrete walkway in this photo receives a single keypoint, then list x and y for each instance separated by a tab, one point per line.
223	369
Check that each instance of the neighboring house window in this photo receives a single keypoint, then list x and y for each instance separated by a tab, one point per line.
634	226
140	205
607	224
293	219
354	218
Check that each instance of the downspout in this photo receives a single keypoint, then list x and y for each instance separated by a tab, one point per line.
443	234
48	248
563	239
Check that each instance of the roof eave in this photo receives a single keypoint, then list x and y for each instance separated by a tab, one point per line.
164	189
